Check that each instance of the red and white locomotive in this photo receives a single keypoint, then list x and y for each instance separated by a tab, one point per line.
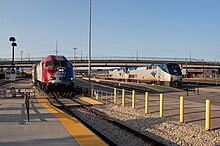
53	73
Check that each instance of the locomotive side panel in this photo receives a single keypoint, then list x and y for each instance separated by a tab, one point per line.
118	74
39	75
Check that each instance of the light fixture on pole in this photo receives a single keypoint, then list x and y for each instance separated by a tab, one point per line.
12	75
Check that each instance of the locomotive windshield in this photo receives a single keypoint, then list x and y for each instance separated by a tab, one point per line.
174	69
56	63
59	63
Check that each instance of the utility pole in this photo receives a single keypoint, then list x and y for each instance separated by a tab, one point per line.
21	54
29	56
203	74
56	48
90	45
74	49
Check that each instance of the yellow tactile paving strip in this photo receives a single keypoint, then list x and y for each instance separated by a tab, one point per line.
82	135
89	100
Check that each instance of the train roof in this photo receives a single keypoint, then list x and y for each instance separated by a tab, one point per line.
56	57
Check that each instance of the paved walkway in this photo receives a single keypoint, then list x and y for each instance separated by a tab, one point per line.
43	128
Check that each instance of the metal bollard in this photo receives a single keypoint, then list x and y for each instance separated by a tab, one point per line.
161	105
181	109
27	97
115	95
146	102
123	98
207	119
133	99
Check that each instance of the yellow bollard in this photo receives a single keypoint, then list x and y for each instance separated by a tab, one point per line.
123	97
115	95
133	99
207	119
181	109
161	105
146	102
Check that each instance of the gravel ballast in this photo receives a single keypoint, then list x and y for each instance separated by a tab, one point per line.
119	136
165	130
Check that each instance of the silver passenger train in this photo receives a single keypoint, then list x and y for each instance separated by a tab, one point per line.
163	74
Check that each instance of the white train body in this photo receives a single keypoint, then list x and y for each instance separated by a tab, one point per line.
118	74
164	74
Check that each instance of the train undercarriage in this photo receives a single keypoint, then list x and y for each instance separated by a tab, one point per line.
58	88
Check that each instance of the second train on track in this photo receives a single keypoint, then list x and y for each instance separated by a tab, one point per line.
163	74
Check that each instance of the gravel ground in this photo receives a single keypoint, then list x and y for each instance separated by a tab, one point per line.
119	136
165	130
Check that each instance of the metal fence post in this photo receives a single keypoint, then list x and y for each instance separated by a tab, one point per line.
161	105
207	119
181	109
115	95
133	99
123	97
146	102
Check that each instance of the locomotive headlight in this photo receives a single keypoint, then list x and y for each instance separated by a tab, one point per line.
61	70
52	78
71	79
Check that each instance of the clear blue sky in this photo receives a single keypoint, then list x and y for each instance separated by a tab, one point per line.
154	28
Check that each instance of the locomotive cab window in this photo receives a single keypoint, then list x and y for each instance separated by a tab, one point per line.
154	67
59	63
49	64
69	65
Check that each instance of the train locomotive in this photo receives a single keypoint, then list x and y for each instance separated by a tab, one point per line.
163	74
54	73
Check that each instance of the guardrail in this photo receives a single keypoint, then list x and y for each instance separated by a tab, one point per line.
111	58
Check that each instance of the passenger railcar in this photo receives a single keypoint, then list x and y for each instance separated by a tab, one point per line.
164	74
53	73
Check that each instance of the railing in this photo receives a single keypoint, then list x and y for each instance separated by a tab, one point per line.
110	58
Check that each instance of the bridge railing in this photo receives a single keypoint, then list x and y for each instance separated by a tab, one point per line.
109	58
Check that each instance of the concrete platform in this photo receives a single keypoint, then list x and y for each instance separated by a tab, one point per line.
46	126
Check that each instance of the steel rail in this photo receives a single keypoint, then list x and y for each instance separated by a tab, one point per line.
151	141
98	133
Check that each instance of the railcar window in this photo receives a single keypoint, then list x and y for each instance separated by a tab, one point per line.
58	63
174	69
69	65
49	63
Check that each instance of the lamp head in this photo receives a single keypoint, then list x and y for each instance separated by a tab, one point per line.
14	44
12	39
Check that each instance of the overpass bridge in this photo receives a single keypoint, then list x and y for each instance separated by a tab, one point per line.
189	63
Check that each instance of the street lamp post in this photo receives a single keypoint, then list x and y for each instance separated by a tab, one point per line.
74	61
90	44
12	77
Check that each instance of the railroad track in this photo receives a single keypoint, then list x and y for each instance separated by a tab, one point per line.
4	82
74	112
